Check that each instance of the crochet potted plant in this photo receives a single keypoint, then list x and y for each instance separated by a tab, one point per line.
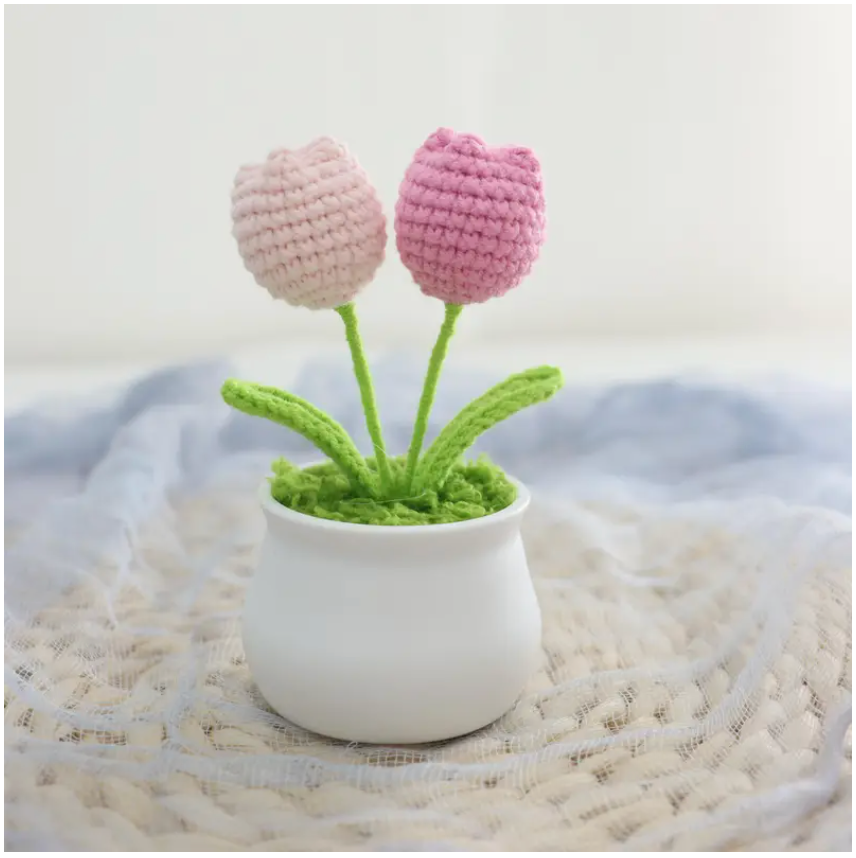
392	602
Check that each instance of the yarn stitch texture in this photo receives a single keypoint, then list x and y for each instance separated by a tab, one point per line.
500	402
471	490
304	418
469	222
309	225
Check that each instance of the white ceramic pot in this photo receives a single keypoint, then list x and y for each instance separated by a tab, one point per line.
391	635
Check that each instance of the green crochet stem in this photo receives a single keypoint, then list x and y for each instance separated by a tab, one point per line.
364	380
424	477
429	389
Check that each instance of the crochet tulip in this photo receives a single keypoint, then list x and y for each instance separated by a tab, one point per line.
469	222
309	225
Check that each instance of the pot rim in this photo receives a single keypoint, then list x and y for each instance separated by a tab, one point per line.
278	510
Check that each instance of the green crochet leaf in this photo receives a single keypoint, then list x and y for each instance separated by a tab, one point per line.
506	398
312	423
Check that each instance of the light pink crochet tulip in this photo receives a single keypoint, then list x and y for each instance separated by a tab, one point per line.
469	221
309	225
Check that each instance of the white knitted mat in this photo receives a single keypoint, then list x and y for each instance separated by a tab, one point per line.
694	692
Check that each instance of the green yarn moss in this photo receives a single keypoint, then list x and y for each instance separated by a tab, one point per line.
471	490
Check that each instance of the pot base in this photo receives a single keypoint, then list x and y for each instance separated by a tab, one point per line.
412	744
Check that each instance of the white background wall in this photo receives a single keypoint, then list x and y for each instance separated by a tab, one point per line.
697	163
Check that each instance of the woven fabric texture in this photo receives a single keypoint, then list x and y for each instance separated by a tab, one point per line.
690	545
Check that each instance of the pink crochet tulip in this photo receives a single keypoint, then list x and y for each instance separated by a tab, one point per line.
309	225
469	221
